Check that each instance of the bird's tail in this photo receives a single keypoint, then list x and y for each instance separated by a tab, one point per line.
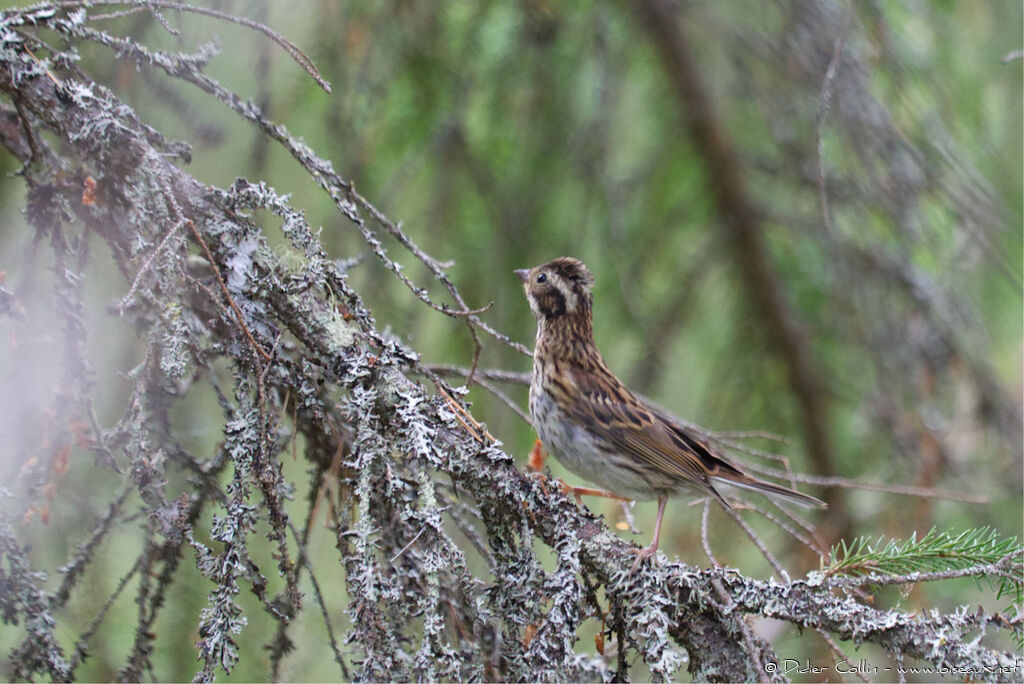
769	489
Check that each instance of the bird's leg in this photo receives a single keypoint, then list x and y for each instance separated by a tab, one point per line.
579	492
536	464
537	458
649	551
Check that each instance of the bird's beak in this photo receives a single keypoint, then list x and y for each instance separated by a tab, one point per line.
523	273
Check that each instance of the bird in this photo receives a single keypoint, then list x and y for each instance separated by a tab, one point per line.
600	430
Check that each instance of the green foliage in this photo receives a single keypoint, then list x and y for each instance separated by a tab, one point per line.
500	135
935	552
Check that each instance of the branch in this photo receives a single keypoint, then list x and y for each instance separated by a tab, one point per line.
403	572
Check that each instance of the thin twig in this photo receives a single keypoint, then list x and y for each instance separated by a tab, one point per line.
769	556
467	421
411	542
84	553
227	295
26	129
1012	56
458	510
752	434
505	399
838	653
760	453
497	374
331	639
704	533
908	490
812	544
482	379
83	640
145	266
296	54
118	14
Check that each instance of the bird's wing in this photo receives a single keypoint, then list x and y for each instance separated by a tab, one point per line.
611	411
654	438
721	471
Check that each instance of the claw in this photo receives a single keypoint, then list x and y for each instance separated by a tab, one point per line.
542	480
651	550
644	553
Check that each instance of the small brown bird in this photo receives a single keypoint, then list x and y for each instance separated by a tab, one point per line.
596	427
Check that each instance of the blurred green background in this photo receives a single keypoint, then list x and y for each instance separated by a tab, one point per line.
505	134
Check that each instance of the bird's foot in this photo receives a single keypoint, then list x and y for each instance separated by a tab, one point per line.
641	554
579	492
535	464
576	492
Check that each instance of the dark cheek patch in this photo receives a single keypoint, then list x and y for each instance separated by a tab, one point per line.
551	303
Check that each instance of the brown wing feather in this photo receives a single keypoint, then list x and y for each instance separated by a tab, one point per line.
616	414
613	412
723	471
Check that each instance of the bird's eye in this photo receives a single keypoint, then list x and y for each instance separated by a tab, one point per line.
542	278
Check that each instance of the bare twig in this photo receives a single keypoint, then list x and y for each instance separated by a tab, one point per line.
752	434
758	542
298	55
147	263
81	643
84	554
704	533
806	537
511	377
908	490
324	613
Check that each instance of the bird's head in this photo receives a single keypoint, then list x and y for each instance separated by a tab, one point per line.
558	288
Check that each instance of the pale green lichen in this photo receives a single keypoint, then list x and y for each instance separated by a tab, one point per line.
340	333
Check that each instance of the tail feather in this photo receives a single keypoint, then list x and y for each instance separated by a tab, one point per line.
769	489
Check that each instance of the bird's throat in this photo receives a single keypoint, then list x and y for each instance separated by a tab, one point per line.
568	337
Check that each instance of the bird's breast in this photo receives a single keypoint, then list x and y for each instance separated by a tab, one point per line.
581	451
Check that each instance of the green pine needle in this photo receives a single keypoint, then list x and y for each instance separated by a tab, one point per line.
935	552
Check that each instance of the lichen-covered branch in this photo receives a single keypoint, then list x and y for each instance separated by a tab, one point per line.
396	464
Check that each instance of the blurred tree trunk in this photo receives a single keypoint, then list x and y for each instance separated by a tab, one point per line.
451	564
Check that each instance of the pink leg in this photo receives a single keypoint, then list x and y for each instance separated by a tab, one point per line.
649	551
